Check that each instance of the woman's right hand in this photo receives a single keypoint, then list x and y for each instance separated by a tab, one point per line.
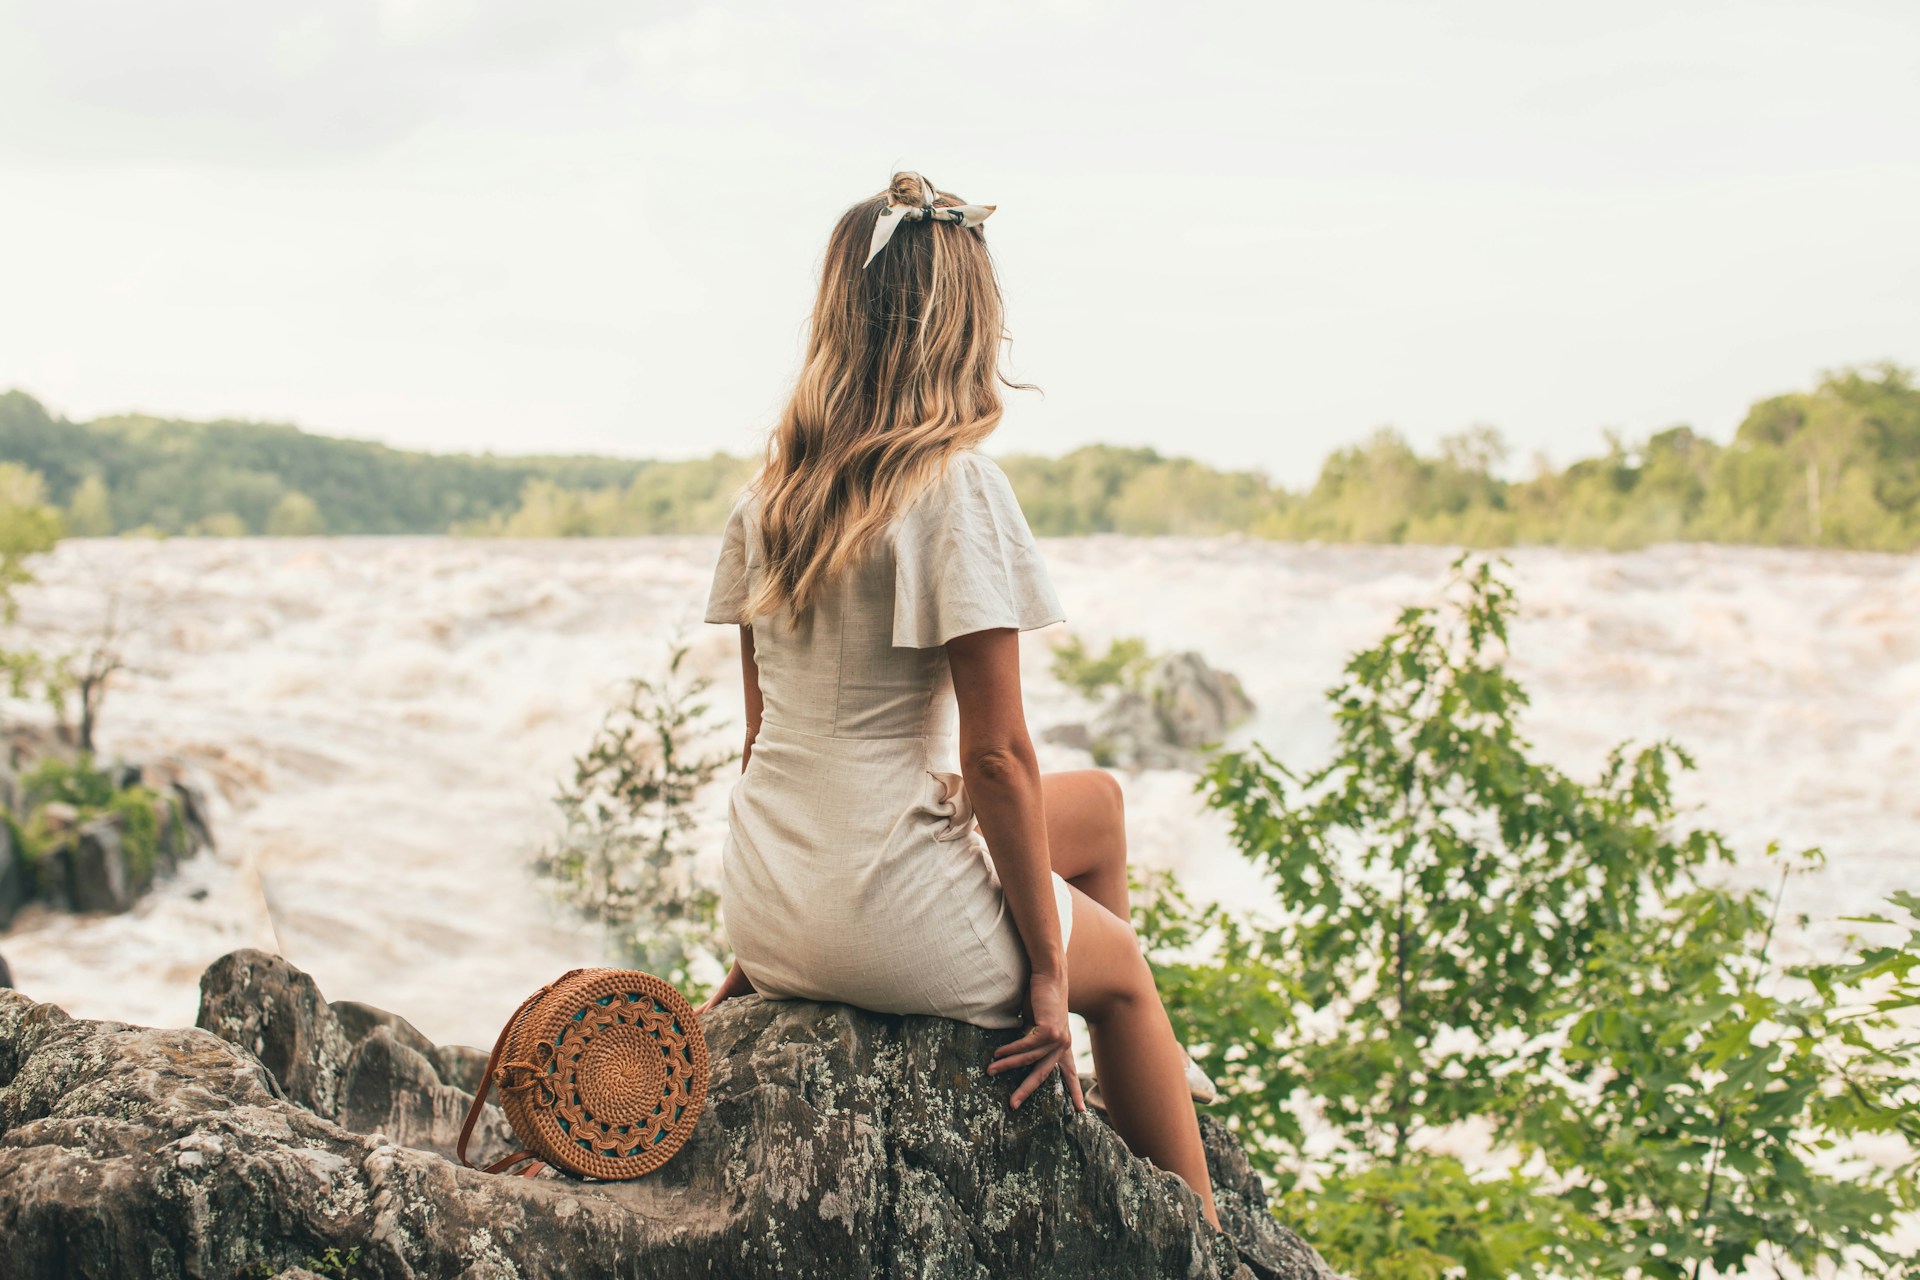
1047	1044
734	984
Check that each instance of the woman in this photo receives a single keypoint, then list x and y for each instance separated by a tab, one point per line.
880	572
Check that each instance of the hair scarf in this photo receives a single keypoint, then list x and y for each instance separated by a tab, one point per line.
895	213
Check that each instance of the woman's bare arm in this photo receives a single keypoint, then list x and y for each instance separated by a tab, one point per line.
736	983
1003	780
750	679
1002	774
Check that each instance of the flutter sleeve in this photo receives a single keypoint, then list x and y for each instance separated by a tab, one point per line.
727	598
965	560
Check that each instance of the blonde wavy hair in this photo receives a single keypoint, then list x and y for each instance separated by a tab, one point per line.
902	371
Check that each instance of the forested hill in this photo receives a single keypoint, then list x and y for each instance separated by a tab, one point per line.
1837	465
133	472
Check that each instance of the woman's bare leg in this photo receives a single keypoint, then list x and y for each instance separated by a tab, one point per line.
1087	834
1135	1056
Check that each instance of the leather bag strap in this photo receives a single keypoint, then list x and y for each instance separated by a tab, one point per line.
486	1084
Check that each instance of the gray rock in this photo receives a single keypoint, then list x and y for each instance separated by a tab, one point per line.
1181	705
358	1021
459	1065
834	1143
1074	734
195	814
16	877
274	1012
1128	733
181	783
390	1088
1270	1251
101	874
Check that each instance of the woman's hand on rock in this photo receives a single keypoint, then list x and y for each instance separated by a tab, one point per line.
734	984
1047	1044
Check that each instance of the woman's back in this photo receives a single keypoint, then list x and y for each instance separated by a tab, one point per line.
853	869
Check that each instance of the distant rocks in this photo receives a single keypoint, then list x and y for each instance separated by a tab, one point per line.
88	836
834	1143
16	876
1178	705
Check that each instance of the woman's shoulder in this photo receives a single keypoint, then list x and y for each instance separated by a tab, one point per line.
969	482
966	560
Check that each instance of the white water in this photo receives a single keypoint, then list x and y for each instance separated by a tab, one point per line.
387	719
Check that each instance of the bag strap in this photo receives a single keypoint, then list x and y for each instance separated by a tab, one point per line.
486	1083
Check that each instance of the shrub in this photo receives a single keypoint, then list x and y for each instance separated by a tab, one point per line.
622	857
1464	937
1124	662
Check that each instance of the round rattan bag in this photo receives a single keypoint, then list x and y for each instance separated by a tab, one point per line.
602	1073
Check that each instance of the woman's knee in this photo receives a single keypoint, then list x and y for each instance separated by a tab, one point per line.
1112	807
1107	975
1112	795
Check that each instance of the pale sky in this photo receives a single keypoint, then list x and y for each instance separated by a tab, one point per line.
1247	233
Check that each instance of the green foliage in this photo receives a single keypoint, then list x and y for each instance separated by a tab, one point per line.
295	515
28	526
1430	1218
90	510
75	782
89	791
228	477
1835	466
662	497
623	857
134	812
1465	939
1232	1000
334	1265
1699	1103
1123	664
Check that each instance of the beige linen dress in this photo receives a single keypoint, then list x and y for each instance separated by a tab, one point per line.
853	868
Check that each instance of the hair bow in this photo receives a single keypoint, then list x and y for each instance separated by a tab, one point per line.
889	218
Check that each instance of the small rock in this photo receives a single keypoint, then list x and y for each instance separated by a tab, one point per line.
358	1021
1181	705
1075	735
16	877
390	1088
101	875
459	1065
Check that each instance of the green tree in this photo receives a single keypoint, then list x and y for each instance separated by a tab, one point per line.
90	512
623	857
29	525
295	515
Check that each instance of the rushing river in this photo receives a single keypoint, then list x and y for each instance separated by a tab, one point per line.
385	720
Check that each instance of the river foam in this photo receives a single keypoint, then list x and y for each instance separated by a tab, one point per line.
386	719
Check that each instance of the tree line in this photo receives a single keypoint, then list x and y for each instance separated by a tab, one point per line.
1834	466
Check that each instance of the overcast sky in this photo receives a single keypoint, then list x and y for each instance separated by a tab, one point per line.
1247	233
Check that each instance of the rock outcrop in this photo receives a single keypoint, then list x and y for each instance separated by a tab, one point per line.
834	1143
1179	705
96	857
